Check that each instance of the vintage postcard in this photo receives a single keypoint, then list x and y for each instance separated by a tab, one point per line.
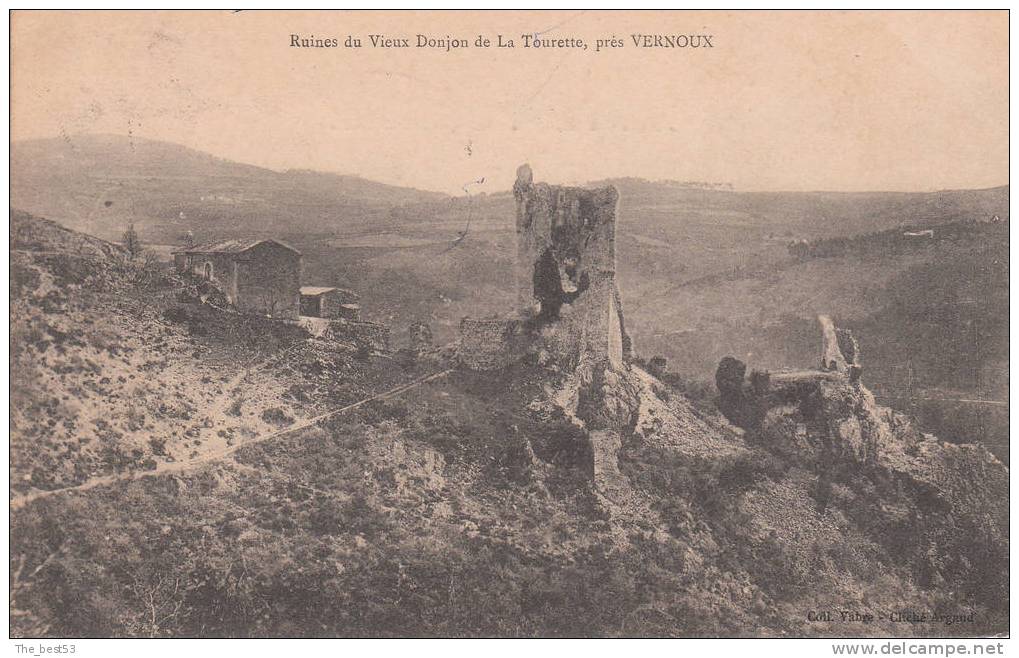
512	324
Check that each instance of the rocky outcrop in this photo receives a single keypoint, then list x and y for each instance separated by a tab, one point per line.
942	509
368	335
569	317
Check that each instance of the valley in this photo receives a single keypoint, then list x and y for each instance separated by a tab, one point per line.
180	470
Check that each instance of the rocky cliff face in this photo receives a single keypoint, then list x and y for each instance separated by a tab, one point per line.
941	508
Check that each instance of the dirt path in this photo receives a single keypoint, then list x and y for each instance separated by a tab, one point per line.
805	375
177	467
217	408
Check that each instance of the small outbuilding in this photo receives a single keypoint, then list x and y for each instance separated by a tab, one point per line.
330	303
260	276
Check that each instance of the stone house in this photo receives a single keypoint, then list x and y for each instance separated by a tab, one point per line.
258	276
329	303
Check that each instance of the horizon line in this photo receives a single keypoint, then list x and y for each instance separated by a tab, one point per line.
692	185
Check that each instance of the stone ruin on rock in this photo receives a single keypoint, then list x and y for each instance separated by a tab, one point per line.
830	401
566	268
566	290
840	362
839	350
568	312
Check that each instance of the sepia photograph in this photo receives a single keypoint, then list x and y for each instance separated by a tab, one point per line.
509	324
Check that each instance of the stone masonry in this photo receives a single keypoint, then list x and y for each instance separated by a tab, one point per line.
575	228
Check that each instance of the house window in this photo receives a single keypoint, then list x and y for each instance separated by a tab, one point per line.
208	271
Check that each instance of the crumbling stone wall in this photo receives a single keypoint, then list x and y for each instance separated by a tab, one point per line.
574	229
488	344
372	335
839	350
831	401
831	356
565	279
568	314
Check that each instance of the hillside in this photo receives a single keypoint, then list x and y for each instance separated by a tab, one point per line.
704	272
808	214
100	183
113	373
931	314
458	506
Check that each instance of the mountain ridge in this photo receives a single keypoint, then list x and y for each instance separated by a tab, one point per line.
98	183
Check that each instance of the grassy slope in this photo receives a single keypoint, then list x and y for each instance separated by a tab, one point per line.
452	511
105	378
427	517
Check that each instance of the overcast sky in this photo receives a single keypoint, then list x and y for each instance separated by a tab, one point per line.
782	101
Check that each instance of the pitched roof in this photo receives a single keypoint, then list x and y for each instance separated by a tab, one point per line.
312	291
315	290
234	246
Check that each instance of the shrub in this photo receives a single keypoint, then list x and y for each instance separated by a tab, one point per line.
405	358
657	365
277	416
378	411
760	382
176	315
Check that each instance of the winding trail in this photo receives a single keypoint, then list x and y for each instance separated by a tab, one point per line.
176	467
218	406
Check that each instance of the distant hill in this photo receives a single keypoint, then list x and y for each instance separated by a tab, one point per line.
835	213
99	183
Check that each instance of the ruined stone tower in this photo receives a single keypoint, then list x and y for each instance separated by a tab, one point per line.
568	316
839	350
576	228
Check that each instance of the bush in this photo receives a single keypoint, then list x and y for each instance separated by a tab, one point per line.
176	315
563	443
657	366
278	417
405	358
760	382
378	411
158	446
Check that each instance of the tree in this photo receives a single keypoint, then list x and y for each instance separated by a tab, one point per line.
132	242
657	366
